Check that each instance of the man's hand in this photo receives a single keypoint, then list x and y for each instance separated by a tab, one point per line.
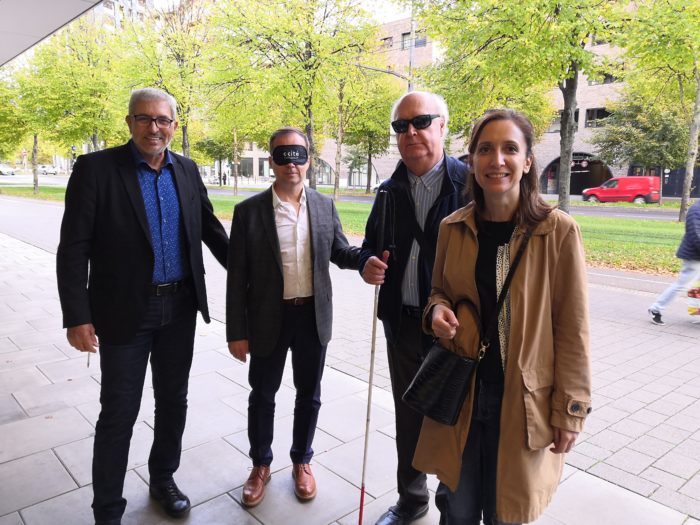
238	349
563	440
444	322
374	270
83	337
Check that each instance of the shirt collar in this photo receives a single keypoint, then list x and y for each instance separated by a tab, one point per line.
139	160
429	177
276	201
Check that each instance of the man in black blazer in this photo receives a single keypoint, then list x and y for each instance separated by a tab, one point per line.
130	273
279	297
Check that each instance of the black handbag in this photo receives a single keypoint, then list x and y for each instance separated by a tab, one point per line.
439	388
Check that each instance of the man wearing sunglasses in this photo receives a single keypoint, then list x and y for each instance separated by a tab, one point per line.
426	186
130	272
279	298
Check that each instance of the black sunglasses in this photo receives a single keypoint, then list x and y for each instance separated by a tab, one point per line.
418	122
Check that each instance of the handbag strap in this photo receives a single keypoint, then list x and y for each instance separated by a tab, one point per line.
485	342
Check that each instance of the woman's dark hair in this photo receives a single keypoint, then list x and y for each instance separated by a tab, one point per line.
531	208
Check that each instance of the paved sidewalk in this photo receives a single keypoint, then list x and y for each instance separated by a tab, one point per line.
637	463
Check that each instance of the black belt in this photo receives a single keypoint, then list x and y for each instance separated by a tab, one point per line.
412	311
298	301
167	288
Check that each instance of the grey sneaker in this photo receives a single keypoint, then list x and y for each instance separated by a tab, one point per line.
656	317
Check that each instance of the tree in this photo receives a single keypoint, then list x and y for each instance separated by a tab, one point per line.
368	131
508	53
663	40
294	45
167	51
644	129
13	127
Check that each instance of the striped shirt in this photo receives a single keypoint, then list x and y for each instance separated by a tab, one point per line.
425	191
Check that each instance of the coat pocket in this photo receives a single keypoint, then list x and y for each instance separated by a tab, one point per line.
537	392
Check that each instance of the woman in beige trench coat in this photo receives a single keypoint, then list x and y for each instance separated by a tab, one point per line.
527	403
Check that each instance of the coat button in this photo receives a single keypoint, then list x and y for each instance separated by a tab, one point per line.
588	410
575	407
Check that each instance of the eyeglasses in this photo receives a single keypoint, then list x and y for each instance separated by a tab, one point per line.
418	122
145	120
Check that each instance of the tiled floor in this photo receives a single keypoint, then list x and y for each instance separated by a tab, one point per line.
638	461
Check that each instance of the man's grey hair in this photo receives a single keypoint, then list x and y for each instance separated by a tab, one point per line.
433	97
145	94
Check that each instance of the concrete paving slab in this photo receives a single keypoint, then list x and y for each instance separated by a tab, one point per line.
29	358
336	497
584	499
75	367
19	481
212	385
11	519
346	418
32	435
77	456
10	410
51	398
6	344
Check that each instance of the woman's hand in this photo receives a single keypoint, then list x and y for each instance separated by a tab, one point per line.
444	323
563	440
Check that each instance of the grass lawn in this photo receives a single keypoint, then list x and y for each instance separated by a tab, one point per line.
626	244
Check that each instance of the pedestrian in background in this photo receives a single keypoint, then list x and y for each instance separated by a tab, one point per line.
503	459
130	273
689	254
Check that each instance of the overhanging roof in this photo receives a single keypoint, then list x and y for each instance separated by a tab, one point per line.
24	23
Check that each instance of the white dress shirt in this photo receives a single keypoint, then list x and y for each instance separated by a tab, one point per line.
295	246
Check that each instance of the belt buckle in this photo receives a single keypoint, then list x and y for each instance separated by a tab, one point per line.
297	301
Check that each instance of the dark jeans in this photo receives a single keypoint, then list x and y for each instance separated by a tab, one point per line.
405	355
476	492
166	334
299	334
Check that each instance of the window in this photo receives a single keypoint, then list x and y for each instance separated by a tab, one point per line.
595	117
597	40
388	41
555	126
421	39
405	40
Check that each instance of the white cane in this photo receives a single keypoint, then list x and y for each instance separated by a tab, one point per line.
381	208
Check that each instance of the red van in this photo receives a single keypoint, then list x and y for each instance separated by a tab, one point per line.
639	190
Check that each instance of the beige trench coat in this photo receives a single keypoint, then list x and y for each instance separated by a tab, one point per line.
547	375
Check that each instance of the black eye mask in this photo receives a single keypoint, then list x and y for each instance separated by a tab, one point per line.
285	154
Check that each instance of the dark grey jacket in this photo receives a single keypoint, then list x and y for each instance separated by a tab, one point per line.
255	283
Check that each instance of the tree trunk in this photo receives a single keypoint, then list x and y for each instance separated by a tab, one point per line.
220	178
234	171
35	168
95	143
368	189
185	141
692	147
312	146
568	89
338	144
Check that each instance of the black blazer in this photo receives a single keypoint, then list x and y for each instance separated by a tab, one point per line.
104	262
255	283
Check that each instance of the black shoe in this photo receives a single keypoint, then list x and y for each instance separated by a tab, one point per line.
656	317
401	515
116	521
174	502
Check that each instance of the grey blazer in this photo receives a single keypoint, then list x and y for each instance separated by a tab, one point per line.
255	285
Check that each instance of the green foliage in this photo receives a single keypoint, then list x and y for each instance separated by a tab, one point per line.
644	129
12	126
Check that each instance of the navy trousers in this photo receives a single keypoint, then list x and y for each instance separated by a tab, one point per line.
476	493
166	335
298	334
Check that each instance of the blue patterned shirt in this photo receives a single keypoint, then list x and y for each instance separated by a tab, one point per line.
164	219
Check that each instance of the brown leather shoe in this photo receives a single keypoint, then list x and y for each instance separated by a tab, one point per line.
254	487
304	482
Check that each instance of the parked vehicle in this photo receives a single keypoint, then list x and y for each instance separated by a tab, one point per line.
6	170
45	169
639	190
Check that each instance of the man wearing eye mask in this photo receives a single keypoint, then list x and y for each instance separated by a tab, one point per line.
426	186
279	298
